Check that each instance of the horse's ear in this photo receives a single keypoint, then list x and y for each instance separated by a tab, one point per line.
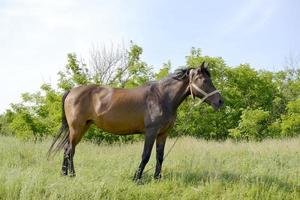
203	65
202	68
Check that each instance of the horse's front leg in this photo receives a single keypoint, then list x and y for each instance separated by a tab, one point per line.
150	137
160	147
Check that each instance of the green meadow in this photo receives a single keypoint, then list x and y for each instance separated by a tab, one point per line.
195	169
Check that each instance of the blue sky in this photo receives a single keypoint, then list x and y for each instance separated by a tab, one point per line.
36	35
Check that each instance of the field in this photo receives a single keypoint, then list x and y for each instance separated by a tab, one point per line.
195	169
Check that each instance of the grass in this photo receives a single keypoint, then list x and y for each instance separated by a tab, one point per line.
195	169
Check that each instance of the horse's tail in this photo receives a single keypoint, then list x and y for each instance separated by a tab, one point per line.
63	133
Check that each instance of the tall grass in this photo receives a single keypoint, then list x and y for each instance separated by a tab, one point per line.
195	169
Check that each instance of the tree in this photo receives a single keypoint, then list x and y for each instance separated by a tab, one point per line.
108	63
76	73
252	125
137	71
290	125
164	71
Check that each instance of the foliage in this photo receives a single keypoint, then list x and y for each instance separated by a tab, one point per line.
258	103
137	72
76	73
246	91
290	125
38	115
164	71
252	125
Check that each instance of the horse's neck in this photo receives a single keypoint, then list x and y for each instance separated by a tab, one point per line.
176	91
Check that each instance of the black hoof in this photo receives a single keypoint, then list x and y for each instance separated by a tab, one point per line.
63	173
136	177
72	174
157	177
139	181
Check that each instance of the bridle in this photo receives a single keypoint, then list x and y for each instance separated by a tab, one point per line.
192	85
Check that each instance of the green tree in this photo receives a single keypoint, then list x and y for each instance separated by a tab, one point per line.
137	71
290	124
252	125
164	71
76	73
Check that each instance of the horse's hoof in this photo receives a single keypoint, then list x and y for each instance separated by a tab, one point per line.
63	173
72	174
136	178
157	177
139	181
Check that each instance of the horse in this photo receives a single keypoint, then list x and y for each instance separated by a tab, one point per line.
149	109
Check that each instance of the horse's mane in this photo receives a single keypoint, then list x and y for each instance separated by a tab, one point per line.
179	74
182	73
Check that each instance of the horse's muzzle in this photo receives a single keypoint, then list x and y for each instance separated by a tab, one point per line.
218	104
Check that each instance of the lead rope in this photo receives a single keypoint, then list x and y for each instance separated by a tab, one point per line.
206	95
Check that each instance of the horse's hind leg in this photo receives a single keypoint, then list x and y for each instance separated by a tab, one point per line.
75	136
64	168
71	153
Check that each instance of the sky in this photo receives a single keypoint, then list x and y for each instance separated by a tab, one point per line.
35	35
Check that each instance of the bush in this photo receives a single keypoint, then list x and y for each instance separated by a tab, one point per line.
290	125
252	125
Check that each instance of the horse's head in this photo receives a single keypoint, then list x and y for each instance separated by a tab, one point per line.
201	86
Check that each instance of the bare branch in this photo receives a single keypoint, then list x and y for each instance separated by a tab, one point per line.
107	62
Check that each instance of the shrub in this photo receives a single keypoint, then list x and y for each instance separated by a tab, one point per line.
290	125
252	125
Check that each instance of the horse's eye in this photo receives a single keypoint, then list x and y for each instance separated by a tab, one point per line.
205	81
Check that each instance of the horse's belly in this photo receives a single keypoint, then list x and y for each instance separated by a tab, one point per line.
121	114
121	124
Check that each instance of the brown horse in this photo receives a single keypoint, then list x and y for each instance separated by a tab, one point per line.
149	109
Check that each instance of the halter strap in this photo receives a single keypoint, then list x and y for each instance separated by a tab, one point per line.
206	95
